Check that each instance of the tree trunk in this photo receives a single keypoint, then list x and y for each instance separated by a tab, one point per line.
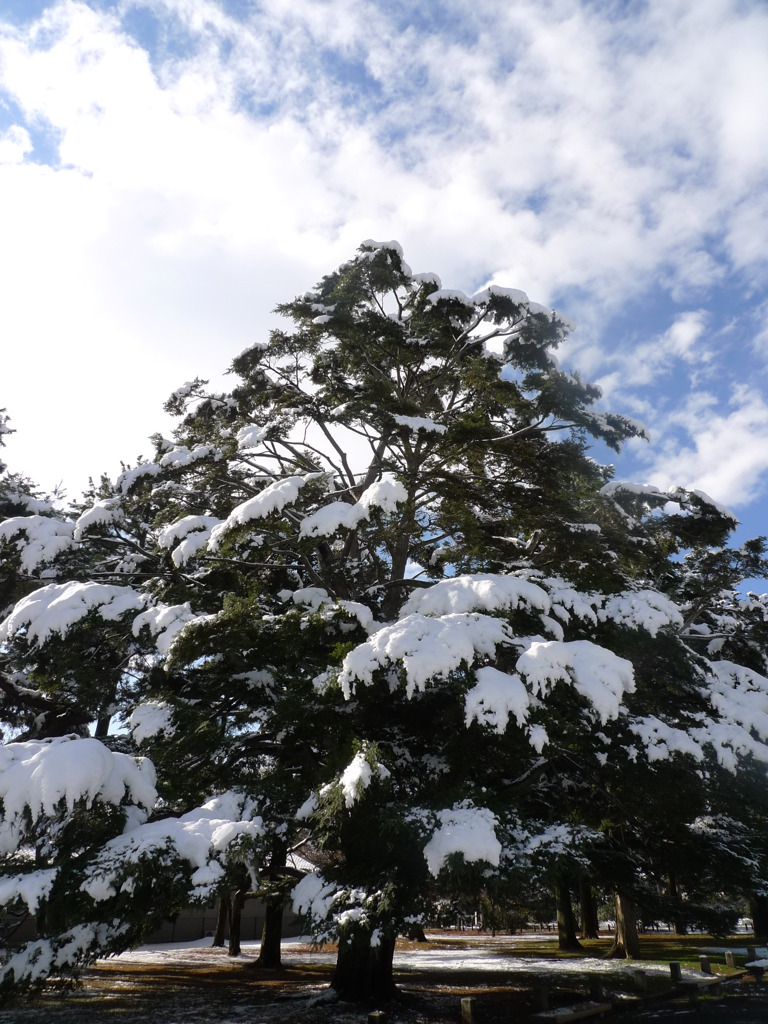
590	925
678	921
758	909
222	920
235	919
102	726
566	923
363	973
271	935
626	944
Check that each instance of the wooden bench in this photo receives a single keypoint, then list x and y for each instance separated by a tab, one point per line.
757	968
697	983
692	984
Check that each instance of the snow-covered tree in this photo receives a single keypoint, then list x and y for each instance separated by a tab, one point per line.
705	780
87	845
380	591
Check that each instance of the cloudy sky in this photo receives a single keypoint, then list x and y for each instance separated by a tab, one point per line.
171	169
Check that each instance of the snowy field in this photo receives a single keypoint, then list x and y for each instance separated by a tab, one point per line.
489	956
191	983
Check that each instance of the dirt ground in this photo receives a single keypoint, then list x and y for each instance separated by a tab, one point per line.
201	985
226	994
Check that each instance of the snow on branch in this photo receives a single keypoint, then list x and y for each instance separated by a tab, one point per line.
313	896
737	726
599	675
333	910
731	742
428	648
250	436
519	298
332	517
722	509
273	498
466	830
128	477
482	592
417	423
180	457
101	513
358	775
36	777
31	888
551	842
740	695
165	622
194	532
451	295
662	740
384	494
45	957
149	719
495	697
644	609
487	592
392	244
596	673
54	609
43	538
566	601
319	600
637	490
690	500
203	838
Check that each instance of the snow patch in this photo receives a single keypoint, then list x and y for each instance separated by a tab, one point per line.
165	622
38	775
482	592
59	606
45	538
428	648
495	697
357	777
149	719
273	498
417	423
128	477
202	837
597	674
101	513
469	831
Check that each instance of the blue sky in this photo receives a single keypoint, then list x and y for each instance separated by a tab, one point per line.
171	169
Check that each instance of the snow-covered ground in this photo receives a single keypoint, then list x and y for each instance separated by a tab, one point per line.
489	955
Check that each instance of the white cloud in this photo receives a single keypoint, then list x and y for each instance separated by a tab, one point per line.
682	336
15	143
639	363
547	146
726	454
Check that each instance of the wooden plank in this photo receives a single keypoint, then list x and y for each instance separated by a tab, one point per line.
568	1013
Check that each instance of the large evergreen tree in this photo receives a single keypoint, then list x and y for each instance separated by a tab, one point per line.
378	593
